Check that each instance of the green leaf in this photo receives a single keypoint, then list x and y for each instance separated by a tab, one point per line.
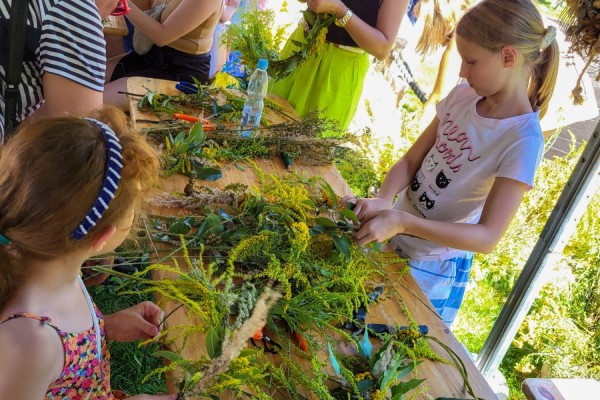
179	138
343	245
213	223
405	387
238	166
175	357
310	203
310	17
331	193
392	370
326	222
350	215
407	369
182	226
209	174
169	355
197	134
364	385
182	148
213	343
376	246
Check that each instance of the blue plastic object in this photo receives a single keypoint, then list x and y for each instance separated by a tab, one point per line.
263	64
186	87
234	65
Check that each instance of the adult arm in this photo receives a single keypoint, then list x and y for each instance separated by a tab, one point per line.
65	97
230	7
72	61
187	16
498	211
377	40
32	358
141	4
399	176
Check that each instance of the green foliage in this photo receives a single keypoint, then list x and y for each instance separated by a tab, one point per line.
292	233
129	362
382	374
254	38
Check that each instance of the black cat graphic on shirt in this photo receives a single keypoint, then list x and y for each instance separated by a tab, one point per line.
415	185
426	201
441	180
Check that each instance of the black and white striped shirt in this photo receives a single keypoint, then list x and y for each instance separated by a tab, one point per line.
71	45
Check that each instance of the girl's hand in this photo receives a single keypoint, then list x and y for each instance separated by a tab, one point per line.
141	321
366	208
328	6
383	225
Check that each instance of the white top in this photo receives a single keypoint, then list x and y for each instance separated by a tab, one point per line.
458	172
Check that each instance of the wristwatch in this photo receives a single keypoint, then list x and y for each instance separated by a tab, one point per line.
341	22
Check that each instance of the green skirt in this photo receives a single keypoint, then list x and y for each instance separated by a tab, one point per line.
330	80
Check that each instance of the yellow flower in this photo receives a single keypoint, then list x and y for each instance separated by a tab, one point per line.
223	81
377	395
362	376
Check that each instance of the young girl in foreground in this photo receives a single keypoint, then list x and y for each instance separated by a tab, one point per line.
68	190
460	184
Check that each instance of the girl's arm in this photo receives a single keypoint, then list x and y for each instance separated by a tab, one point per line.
399	176
32	358
499	209
377	40
186	17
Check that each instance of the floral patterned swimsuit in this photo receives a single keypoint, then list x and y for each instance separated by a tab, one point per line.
86	374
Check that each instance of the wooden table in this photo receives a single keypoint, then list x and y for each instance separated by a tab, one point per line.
115	26
400	290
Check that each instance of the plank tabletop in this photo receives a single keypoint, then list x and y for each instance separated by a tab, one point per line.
401	293
115	26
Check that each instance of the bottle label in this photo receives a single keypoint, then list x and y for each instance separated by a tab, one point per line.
257	118
249	121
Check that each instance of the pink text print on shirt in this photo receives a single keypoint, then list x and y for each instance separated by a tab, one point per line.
450	131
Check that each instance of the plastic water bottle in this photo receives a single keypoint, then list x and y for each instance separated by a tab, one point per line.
257	90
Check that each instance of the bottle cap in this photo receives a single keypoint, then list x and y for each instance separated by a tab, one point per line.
263	64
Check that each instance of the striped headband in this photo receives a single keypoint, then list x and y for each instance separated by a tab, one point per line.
110	183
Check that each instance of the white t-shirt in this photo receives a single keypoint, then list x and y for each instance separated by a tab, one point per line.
458	172
65	38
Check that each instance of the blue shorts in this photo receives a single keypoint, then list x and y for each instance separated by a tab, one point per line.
444	282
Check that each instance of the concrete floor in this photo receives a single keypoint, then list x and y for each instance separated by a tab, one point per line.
579	131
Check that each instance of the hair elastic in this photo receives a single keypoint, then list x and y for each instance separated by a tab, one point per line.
110	183
4	241
548	37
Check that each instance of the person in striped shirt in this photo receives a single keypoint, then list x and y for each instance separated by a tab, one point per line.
65	58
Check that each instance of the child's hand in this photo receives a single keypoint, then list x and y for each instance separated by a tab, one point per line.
382	226
141	321
366	208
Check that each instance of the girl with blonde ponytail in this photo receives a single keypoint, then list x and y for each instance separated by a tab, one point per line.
458	187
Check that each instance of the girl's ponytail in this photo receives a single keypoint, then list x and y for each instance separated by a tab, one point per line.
544	75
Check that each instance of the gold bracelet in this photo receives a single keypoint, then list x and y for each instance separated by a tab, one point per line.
341	22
